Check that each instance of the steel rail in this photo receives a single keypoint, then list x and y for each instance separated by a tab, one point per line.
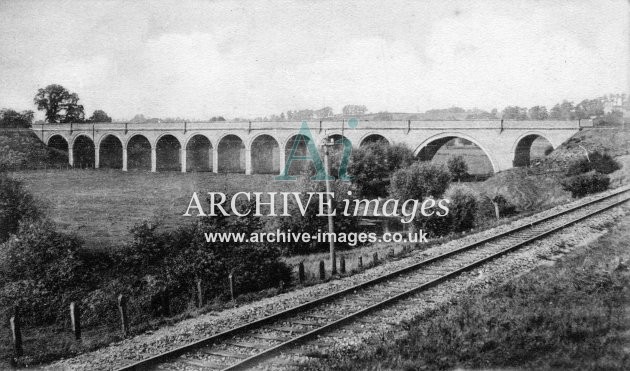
163	357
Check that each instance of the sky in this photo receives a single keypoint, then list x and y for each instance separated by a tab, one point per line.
200	59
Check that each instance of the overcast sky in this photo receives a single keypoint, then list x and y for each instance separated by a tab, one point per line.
238	58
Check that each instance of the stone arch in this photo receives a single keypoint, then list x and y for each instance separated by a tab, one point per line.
531	145
297	167
231	154
110	152
83	151
427	149
58	142
198	153
168	153
138	152
265	152
373	138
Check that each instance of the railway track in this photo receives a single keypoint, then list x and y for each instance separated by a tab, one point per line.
248	345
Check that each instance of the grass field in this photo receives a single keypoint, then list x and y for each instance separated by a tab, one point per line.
102	205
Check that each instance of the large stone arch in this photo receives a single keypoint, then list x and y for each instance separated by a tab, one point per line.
168	150
265	154
83	151
427	149
199	153
110	151
58	142
231	152
138	152
522	148
373	137
298	167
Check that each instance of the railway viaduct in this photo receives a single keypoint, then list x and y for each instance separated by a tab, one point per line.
262	147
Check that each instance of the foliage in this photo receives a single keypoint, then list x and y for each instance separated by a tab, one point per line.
310	222
601	163
538	113
514	113
59	104
373	164
457	167
12	119
100	116
16	205
463	209
506	208
354	110
418	181
583	184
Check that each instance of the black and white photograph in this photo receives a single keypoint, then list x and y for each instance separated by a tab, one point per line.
314	185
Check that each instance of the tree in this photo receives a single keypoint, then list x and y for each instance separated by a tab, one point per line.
418	181
100	116
373	164
12	119
563	111
59	104
354	110
217	118
538	113
457	167
515	113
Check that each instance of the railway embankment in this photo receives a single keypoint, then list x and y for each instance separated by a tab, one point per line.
502	269
568	311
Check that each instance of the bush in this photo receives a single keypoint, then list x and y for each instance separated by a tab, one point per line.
461	216
506	208
601	163
583	184
463	209
457	167
372	165
16	205
311	223
419	181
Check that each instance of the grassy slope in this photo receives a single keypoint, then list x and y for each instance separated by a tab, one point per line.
539	187
23	149
574	315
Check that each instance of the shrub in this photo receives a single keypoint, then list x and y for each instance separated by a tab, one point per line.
311	223
372	165
418	181
583	184
461	216
462	209
457	167
601	163
16	205
506	208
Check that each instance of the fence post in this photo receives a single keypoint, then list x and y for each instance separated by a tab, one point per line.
199	293
342	264
124	319
322	270
375	258
231	282
301	274
16	332
360	264
75	320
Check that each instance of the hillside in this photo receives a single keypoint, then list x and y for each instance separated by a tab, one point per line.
22	149
536	187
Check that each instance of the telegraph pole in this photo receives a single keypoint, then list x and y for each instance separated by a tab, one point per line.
331	225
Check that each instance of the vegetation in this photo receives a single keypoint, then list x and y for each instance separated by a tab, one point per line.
588	175
59	104
100	116
584	184
12	119
372	165
569	316
16	205
457	167
418	181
